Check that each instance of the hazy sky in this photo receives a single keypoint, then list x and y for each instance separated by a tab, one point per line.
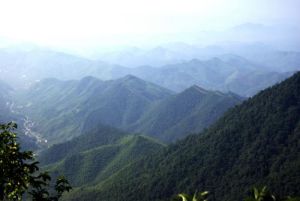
58	22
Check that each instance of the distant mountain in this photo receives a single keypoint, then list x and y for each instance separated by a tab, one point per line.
280	61
254	144
227	73
187	112
22	68
280	37
62	109
96	155
183	67
134	57
277	37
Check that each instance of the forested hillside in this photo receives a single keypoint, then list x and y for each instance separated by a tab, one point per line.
62	110
255	143
141	100
97	154
184	113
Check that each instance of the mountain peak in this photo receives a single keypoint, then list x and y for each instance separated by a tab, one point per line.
89	79
197	89
131	77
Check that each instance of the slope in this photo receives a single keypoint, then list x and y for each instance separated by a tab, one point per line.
255	143
225	73
7	114
63	109
5	95
187	112
39	63
96	155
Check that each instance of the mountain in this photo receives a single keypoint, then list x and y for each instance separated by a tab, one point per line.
180	67
187	112
134	57
255	143
97	154
98	136
5	95
227	73
280	61
29	66
61	110
7	114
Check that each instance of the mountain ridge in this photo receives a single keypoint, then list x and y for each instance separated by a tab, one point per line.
255	143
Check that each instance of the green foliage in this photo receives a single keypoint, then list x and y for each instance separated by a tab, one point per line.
102	135
261	195
289	198
187	112
63	109
196	197
70	108
19	175
97	155
254	143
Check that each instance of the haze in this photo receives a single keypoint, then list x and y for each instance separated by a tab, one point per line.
86	23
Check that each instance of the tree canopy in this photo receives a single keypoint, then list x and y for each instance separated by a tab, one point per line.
20	176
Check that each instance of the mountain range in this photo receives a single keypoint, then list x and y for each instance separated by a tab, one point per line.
62	110
255	143
35	64
224	72
184	113
227	73
149	133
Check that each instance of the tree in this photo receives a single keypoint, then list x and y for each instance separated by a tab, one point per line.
19	172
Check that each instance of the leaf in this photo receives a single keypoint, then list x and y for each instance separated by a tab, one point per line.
183	196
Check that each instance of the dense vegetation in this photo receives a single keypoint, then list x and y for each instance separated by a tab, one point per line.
255	143
66	109
96	155
258	194
19	173
62	109
187	112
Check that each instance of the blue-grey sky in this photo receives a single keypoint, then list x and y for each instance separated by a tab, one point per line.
78	22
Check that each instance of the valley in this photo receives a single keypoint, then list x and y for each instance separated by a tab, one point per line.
150	100
100	154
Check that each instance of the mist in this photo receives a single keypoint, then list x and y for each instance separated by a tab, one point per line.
83	25
143	100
